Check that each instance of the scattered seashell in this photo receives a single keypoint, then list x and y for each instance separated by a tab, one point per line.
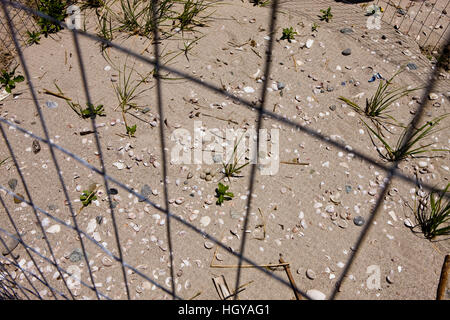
54	229
205	221
315	294
310	274
208	244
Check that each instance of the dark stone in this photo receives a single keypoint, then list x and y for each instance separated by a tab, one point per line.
411	66
36	146
113	191
76	255
280	85
346	30
99	219
145	192
383	37
332	107
347	52
12	183
359	221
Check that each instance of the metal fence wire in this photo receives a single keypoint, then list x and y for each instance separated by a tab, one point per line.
10	288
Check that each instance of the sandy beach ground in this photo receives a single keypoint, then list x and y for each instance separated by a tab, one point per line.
304	212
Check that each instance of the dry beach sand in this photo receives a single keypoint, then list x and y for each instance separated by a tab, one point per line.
307	210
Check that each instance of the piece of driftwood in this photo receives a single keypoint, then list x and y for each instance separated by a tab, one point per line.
443	279
291	279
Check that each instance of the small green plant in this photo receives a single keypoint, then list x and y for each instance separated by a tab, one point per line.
131	130
314	27
434	220
188	17
55	9
222	194
127	91
33	37
9	79
384	97
105	28
404	148
288	34
87	197
233	167
92	111
326	15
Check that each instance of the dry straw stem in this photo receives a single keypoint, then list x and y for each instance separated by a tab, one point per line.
291	279
443	279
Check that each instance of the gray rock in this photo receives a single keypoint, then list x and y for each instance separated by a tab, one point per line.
347	52
280	85
76	255
145	191
12	183
359	221
412	66
346	30
36	146
332	107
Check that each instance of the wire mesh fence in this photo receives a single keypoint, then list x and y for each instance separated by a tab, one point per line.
61	285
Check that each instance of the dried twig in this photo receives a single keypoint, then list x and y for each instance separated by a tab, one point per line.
263	225
443	279
58	95
291	279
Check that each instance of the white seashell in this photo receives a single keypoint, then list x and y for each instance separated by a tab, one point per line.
54	229
205	221
316	294
119	165
309	43
249	90
92	225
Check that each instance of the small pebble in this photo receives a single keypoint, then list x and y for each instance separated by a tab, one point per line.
347	52
358	220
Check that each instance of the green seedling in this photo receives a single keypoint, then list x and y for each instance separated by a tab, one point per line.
404	148
233	167
55	9
434	220
131	130
314	27
92	111
188	17
222	194
288	34
9	79
326	15
378	105
87	197
33	37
